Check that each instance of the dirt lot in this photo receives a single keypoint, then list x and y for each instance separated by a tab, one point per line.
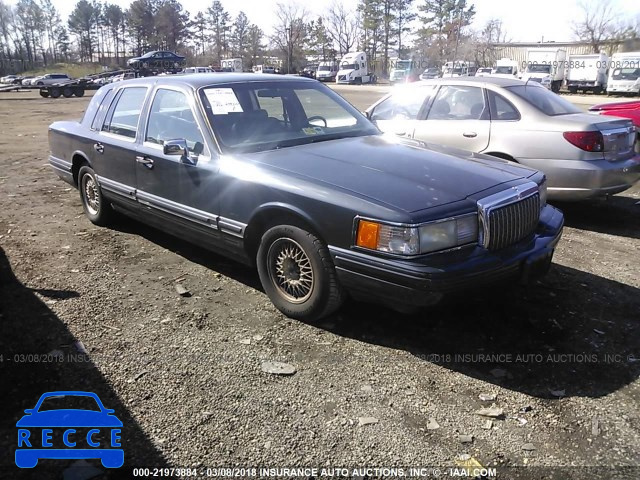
184	374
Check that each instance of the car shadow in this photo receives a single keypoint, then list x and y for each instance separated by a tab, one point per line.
32	338
615	215
571	332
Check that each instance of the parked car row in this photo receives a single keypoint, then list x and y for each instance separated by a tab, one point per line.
42	80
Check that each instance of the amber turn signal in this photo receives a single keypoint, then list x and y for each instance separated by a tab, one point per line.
368	234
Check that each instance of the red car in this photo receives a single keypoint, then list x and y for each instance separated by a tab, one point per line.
622	109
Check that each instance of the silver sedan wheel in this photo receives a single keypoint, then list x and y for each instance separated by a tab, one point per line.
290	270
91	194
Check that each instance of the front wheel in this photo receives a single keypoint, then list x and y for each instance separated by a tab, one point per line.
97	209
297	273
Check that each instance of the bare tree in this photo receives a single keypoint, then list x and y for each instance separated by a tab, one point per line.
598	22
342	26
289	33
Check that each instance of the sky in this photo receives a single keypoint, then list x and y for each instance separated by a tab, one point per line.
524	21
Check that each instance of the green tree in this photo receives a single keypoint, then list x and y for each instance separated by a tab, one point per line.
371	14
140	23
80	24
114	21
240	36
403	16
171	25
443	23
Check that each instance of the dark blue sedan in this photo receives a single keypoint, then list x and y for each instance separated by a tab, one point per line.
283	174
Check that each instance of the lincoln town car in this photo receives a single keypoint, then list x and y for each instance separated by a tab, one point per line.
283	174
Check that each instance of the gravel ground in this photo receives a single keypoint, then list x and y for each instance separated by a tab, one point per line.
372	388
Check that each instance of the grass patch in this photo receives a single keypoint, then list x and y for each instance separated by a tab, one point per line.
74	70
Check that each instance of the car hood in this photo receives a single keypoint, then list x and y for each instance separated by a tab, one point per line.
406	175
69	418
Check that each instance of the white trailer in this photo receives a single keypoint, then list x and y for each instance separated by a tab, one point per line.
546	66
354	69
624	74
232	64
505	68
587	72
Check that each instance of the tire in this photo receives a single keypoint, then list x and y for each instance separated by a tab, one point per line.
79	92
67	92
40	84
44	94
95	206
55	92
573	90
292	251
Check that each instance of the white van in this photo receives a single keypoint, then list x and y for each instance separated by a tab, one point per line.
353	69
505	68
624	73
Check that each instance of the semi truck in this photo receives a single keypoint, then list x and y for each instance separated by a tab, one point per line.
354	69
546	66
624	74
587	73
403	71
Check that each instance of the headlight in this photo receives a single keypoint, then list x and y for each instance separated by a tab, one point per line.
546	79
412	240
542	189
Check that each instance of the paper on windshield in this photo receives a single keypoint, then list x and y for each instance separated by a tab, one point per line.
223	100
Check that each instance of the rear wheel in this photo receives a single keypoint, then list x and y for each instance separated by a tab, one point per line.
44	93
97	209
67	92
297	273
79	92
573	90
55	92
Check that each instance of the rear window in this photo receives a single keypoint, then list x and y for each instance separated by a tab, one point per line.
544	100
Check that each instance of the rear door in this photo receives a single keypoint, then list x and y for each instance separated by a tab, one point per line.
114	148
457	117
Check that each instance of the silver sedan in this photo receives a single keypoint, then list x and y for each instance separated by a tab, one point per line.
582	155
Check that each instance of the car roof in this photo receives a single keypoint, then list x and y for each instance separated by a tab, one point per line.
206	79
498	81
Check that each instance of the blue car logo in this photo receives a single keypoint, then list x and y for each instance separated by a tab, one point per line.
53	430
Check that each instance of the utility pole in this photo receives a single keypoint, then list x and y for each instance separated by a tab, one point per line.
455	53
288	30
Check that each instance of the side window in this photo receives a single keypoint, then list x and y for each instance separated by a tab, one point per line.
274	106
124	114
459	103
171	118
501	108
404	104
95	124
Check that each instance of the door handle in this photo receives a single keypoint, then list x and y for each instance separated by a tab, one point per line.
98	147
470	134
146	161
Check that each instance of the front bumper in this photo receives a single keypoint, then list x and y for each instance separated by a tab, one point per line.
573	180
404	284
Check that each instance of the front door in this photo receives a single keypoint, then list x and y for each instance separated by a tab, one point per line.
176	188
458	117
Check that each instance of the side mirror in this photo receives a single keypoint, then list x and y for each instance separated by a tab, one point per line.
367	114
176	147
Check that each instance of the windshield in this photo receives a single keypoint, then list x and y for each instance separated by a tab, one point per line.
403	64
505	70
259	116
537	68
349	66
66	402
324	68
544	100
626	74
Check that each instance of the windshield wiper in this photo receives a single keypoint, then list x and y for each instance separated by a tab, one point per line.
292	142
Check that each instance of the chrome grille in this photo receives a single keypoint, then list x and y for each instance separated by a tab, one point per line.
508	217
